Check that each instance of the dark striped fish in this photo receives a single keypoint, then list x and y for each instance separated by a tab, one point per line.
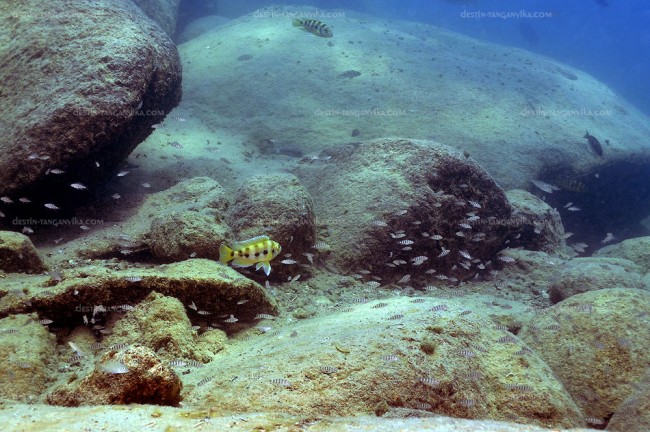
313	26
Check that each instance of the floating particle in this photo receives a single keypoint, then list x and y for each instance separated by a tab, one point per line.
573	208
51	206
289	261
474	204
608	238
466	353
264	316
97	164
404	279
438	308
177	363
373	284
116	196
114	367
2	214
122	173
230	320
133	279
204	381
507	339
55	171
506	258
405	242
328	369
146	185
396	317
400	212
444	252
389	358
379	223
282	382
78	186
380	305
428	381
45	321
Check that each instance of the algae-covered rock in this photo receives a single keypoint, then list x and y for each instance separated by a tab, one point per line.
18	254
534	224
83	96
163	12
325	366
389	201
197	200
160	323
277	205
636	250
580	275
596	344
134	375
212	287
179	236
633	414
26	355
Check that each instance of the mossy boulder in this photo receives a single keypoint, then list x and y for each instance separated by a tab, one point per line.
580	275
18	254
636	250
596	344
26	355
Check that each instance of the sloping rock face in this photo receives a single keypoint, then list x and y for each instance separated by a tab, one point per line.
164	12
88	81
388	203
18	254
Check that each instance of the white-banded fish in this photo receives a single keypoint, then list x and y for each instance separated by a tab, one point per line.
78	186
428	381
51	206
114	367
328	369
282	382
313	26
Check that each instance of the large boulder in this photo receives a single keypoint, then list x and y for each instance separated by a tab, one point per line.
596	344
164	12
88	82
389	204
636	250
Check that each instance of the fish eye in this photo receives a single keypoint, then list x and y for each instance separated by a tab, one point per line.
265	252
257	254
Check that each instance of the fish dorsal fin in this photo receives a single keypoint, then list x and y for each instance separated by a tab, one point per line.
242	244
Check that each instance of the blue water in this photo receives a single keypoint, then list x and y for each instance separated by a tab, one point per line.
609	39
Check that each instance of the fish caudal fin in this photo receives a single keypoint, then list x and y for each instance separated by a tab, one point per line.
264	265
225	254
297	22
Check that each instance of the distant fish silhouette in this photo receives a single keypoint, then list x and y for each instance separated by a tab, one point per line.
594	143
528	33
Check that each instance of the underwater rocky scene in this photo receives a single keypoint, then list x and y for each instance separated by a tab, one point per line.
312	219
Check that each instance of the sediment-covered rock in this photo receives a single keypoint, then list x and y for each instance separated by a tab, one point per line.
636	250
133	375
535	225
18	254
580	275
26	354
596	344
277	205
389	203
82	96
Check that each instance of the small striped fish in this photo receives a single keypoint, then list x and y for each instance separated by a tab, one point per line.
313	26
282	382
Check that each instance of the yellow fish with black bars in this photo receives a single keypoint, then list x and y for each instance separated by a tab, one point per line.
313	26
259	250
